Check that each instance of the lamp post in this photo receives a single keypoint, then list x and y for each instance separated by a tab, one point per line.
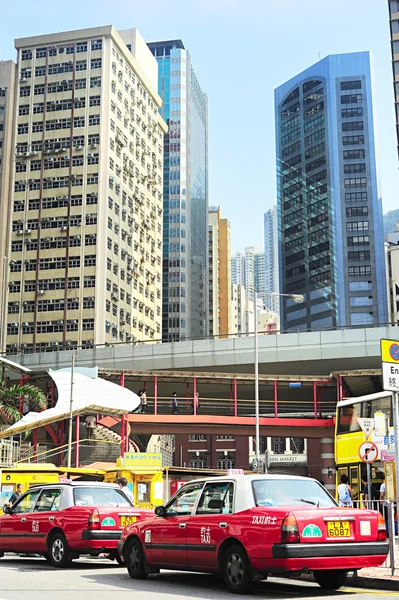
69	459
298	298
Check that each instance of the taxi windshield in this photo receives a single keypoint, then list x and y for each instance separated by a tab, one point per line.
100	496
280	492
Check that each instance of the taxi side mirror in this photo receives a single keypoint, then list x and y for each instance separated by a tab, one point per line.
160	511
6	509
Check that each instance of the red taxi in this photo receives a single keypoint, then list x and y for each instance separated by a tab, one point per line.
62	521
247	527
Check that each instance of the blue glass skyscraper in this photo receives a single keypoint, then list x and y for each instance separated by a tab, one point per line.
329	209
185	191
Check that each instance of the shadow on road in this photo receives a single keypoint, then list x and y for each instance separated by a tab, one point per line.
200	585
19	563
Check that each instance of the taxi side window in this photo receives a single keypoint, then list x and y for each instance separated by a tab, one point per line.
216	499
49	501
184	502
27	502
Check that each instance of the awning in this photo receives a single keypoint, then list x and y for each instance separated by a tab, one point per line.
12	366
90	396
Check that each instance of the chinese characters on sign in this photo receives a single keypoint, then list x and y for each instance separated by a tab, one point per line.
35	526
263	520
205	535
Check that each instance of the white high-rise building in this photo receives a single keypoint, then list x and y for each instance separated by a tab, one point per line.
271	260
248	269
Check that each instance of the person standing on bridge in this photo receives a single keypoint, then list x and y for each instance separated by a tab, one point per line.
174	404
143	401
196	403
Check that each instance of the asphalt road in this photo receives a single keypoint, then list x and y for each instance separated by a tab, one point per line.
94	579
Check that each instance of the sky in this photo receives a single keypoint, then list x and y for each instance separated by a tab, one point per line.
241	51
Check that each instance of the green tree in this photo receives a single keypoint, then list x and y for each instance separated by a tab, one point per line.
10	399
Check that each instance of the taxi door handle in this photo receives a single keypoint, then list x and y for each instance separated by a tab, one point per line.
23	520
51	518
182	525
223	525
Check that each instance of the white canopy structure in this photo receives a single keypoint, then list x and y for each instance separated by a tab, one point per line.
89	395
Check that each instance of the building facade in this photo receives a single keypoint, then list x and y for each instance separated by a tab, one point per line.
392	275
185	245
219	273
7	112
248	269
86	241
329	207
272	302
393	6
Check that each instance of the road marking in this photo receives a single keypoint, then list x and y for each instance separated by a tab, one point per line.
371	592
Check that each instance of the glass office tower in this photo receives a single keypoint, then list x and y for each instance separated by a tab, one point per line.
329	209
185	110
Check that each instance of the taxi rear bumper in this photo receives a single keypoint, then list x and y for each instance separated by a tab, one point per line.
330	550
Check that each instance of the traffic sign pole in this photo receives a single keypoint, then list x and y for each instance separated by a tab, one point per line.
395	406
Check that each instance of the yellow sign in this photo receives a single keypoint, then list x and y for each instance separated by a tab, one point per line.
142	460
390	351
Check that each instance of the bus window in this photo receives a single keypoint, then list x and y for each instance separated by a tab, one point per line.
347	419
354	481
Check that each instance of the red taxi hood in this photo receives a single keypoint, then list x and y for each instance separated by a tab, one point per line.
336	524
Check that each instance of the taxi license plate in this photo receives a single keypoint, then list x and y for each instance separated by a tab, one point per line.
127	519
338	529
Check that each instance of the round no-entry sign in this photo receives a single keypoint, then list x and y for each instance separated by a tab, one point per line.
368	452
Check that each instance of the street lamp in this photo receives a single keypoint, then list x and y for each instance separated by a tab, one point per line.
298	298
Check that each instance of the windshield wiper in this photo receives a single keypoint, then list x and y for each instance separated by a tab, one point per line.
307	501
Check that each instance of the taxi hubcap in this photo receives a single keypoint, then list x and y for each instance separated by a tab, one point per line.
235	569
58	550
135	558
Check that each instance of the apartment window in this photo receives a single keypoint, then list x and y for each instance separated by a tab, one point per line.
23	128
90	281
361	301
353	126
88	325
354	154
358	270
351	99
94	120
96	44
357	226
355	182
81	65
226	462
348	113
355	168
81	47
95	100
351	85
359	240
318	122
96	63
357	211
26	55
359	255
90	239
95	82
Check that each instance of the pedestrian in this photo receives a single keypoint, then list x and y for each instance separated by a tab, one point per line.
196	403
90	425
122	482
369	500
143	401
15	496
344	492
174	404
383	502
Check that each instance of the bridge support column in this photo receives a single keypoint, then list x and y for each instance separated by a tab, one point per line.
327	461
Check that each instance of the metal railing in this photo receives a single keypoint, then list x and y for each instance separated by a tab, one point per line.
389	511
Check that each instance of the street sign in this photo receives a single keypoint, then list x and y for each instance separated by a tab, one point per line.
387	455
390	365
368	452
367	426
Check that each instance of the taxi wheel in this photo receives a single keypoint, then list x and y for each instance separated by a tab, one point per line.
59	551
135	559
237	570
331	579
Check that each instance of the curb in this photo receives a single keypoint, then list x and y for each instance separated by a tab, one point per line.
372	583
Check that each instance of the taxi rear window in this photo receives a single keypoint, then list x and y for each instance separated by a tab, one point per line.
282	492
100	496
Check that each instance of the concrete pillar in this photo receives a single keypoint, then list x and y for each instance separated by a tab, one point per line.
327	460
288	446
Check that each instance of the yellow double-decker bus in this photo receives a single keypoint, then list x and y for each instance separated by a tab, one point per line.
349	436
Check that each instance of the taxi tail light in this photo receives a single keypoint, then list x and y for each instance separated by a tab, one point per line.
382	528
289	531
94	520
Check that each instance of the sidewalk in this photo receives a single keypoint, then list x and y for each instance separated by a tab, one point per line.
377	578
